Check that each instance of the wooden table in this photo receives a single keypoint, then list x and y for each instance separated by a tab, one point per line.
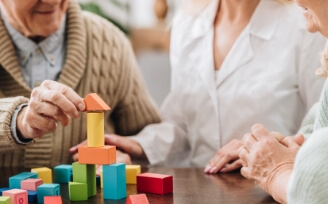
190	186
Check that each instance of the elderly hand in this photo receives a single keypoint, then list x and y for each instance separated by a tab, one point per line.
49	103
226	159
266	157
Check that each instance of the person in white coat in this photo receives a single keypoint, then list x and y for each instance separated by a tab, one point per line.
234	63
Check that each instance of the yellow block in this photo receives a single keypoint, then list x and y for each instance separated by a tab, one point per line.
95	129
131	173
44	173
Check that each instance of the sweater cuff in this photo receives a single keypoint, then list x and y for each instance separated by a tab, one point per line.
15	134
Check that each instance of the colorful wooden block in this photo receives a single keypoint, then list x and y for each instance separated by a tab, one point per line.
31	184
62	173
53	200
97	155
154	183
93	103
17	196
32	196
15	181
44	173
137	199
95	129
131	173
48	190
77	191
85	173
3	189
114	181
5	200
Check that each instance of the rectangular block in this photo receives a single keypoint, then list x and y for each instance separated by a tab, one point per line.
62	173
85	173
31	184
97	155
131	173
15	181
53	200
77	191
3	189
44	173
5	200
137	199
48	190
17	196
154	183
32	196
95	129
114	181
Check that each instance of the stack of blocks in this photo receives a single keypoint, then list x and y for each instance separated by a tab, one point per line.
96	152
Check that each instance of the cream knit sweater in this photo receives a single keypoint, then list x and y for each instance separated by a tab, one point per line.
98	59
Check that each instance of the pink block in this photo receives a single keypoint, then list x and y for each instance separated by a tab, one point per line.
17	196
137	199
31	184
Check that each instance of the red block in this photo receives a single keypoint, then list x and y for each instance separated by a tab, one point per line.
154	183
137	199
52	200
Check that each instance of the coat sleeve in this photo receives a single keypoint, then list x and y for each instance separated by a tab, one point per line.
309	180
308	121
7	108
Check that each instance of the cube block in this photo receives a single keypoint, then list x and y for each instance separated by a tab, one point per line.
17	196
137	199
32	196
15	181
97	155
114	181
154	183
44	173
95	129
53	200
5	200
77	191
62	173
48	190
31	184
131	173
85	173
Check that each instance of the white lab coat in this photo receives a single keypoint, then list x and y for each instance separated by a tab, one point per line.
267	77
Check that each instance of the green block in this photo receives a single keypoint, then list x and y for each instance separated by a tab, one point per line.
5	200
86	173
77	191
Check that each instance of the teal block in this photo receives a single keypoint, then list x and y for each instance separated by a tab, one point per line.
85	173
47	190
62	173
5	200
15	181
114	181
77	191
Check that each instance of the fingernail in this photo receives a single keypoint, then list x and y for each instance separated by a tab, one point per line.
207	168
223	170
72	149
81	107
213	170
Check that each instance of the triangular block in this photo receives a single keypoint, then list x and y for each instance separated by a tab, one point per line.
93	103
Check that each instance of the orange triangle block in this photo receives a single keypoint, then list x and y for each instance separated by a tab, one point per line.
94	103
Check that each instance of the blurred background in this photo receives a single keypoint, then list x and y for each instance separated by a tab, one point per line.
147	25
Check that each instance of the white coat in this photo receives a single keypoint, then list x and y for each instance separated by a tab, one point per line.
267	77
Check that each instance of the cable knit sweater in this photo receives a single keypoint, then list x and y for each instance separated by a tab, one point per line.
98	59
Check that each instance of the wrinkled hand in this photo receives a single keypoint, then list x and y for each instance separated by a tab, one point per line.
266	155
226	159
49	103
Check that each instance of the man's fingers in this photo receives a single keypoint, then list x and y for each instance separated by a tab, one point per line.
277	135
231	167
74	149
259	131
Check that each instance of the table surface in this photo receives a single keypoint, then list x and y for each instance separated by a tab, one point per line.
190	185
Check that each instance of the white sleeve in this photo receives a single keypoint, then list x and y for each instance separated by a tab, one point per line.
309	180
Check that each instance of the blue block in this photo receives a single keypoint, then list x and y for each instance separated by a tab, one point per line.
62	173
3	189
15	181
48	190
32	196
114	181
